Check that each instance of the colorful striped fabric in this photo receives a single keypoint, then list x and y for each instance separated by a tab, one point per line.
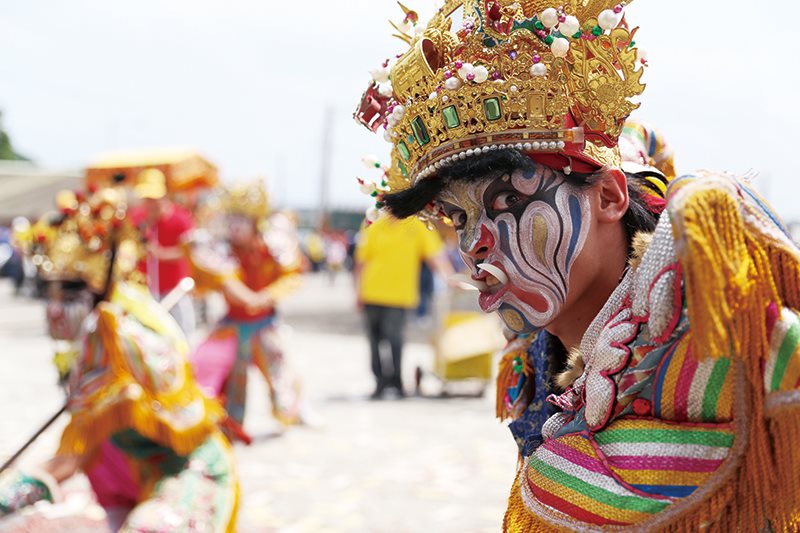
782	370
686	389
567	475
628	472
664	459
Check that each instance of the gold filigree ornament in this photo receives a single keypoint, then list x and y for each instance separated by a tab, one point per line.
77	242
553	81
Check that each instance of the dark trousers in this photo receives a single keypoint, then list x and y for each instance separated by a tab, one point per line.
425	290
386	325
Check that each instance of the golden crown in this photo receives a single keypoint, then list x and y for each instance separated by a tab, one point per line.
77	242
250	200
549	80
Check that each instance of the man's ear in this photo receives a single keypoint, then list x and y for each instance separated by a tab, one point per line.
612	192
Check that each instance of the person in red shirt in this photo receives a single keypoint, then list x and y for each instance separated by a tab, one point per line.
252	282
165	226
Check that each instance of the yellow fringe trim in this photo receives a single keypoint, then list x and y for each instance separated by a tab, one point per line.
729	285
519	519
89	428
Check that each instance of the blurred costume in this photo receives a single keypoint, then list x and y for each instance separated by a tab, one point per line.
246	336
681	408
139	425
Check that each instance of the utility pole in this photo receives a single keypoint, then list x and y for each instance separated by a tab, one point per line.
325	170
280	183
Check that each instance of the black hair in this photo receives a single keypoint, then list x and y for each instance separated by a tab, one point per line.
105	295
497	163
72	285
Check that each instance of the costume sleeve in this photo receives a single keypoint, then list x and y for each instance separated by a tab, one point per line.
741	276
289	279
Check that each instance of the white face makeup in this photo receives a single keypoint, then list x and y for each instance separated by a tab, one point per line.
66	310
529	225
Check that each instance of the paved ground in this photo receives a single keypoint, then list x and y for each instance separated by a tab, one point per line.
420	464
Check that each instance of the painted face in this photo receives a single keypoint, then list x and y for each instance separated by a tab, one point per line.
240	230
529	225
66	310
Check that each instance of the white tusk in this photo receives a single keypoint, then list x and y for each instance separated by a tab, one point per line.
467	283
494	271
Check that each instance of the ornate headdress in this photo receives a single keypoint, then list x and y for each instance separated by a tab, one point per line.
250	200
552	80
78	242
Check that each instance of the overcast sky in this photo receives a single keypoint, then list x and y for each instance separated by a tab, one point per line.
247	82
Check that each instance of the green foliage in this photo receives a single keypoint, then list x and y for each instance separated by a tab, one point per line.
7	151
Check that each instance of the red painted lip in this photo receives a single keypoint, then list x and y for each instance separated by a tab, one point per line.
489	301
480	276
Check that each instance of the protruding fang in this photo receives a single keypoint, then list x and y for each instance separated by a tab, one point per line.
494	271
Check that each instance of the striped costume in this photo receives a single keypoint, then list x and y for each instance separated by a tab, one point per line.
687	413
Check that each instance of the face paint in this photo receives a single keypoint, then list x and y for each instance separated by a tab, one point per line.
66	311
240	230
530	225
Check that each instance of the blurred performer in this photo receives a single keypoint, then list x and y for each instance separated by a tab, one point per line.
388	261
166	227
655	383
139	426
252	281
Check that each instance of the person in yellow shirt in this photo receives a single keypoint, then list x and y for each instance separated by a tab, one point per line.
388	261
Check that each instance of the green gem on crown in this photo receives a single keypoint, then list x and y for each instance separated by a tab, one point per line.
451	117
403	149
420	131
403	169
491	108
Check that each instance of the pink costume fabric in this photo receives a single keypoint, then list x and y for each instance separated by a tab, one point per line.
212	362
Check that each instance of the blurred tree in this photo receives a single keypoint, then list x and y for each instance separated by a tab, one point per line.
6	150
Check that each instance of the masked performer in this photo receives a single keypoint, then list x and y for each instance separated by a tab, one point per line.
139	425
677	307
252	280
